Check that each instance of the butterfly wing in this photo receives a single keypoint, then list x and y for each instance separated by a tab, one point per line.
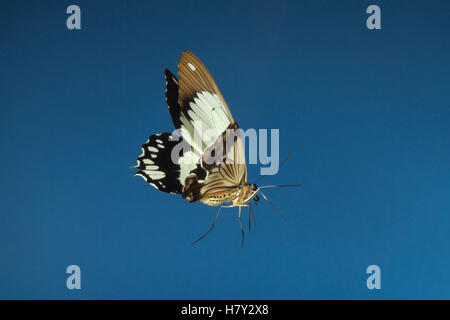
224	175
231	170
172	98
155	164
204	114
189	162
205	118
195	78
196	106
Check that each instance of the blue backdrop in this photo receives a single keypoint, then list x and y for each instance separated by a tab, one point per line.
364	113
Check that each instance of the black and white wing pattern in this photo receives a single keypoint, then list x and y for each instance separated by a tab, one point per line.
201	115
204	113
156	166
190	161
195	80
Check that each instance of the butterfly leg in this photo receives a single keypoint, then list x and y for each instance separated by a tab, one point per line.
272	205
242	229
213	224
249	221
253	214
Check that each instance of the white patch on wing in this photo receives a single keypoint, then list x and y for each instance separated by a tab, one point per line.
155	175
151	168
190	65
152	149
208	114
158	141
187	162
147	161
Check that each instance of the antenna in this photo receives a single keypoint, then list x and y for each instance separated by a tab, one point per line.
250	213
272	205
280	186
282	162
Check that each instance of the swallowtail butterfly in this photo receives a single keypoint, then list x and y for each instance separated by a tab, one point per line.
201	172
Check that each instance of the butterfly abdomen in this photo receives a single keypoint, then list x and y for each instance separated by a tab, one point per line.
219	198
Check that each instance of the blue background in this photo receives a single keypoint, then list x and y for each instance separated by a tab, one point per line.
365	115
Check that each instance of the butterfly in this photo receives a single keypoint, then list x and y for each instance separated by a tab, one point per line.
208	168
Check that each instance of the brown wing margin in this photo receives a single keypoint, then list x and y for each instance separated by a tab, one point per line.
194	77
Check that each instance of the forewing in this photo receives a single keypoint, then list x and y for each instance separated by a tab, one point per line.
205	117
195	78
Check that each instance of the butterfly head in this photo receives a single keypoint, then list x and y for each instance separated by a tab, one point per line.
250	192
255	192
